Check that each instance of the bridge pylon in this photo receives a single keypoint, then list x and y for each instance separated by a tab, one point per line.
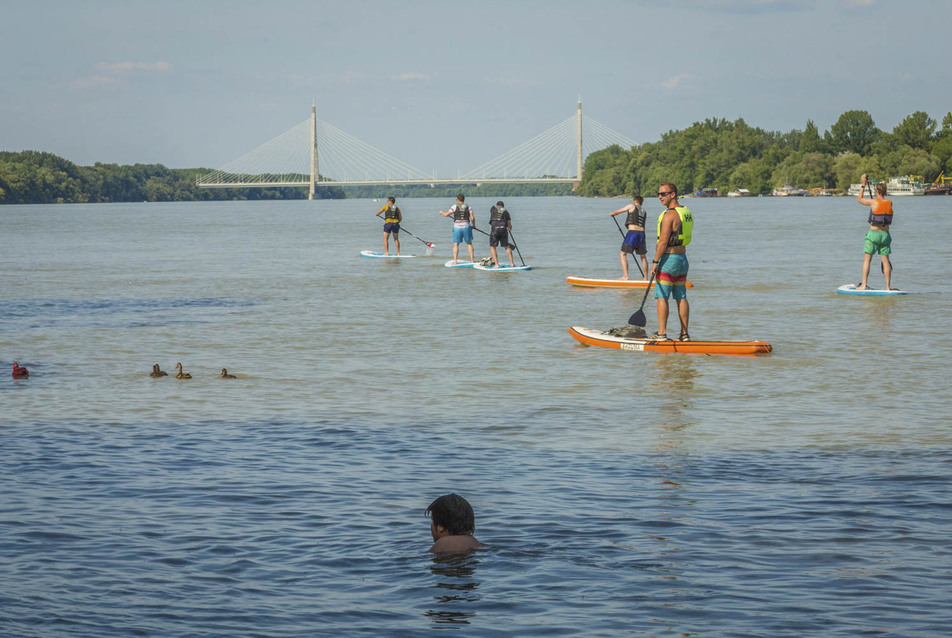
314	173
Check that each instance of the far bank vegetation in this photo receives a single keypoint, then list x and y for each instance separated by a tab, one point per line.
733	155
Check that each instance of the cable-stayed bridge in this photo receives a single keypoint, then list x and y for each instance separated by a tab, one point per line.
292	159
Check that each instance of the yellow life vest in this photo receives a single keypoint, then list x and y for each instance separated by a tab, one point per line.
392	214
683	238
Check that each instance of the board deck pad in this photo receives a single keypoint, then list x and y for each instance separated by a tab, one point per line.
502	268
850	289
379	255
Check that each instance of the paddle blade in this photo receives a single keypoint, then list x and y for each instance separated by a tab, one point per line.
429	249
638	319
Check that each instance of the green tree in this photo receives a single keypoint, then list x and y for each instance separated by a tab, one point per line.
810	141
916	130
853	132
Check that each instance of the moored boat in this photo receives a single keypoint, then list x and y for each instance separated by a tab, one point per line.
941	186
789	190
904	186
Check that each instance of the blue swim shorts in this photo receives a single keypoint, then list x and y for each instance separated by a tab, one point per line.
672	277
634	242
463	235
392	227
877	242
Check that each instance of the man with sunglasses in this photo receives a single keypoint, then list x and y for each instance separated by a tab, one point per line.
670	266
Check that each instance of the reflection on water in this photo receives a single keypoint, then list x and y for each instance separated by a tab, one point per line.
878	314
674	378
456	588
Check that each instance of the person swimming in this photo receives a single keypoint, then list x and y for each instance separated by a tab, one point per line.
452	523
18	372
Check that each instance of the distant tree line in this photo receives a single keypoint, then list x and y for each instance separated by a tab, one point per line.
34	177
732	155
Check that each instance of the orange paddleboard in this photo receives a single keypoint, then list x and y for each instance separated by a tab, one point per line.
601	338
587	282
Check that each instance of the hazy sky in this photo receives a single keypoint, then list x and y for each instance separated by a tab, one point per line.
447	85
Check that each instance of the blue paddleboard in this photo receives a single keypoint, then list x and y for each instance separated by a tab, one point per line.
370	253
850	289
501	268
459	264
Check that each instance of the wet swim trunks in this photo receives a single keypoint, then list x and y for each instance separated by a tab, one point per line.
672	277
463	234
877	242
634	242
499	237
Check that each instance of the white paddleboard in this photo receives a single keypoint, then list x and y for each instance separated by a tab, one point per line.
379	255
850	289
501	268
459	264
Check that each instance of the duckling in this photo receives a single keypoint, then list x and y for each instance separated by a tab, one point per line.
180	374
20	373
225	375
157	372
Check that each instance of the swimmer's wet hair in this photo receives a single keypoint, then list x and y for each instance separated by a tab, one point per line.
453	513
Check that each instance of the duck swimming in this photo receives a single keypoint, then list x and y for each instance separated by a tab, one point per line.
180	374
157	372
20	373
225	375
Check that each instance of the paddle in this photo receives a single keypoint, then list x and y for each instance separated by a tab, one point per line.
638	318
480	230
619	226
430	245
517	248
634	257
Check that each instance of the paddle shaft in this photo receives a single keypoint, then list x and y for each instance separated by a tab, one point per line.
638	317
516	246
415	237
619	226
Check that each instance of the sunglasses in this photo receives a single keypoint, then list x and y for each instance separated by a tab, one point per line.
664	193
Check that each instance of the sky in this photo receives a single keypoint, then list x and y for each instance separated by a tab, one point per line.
448	85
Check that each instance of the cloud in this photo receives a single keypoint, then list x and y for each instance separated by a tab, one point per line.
677	81
126	67
91	82
410	77
518	82
747	6
109	72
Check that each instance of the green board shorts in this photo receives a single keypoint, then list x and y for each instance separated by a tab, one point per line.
877	242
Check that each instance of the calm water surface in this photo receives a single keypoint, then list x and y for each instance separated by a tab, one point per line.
801	493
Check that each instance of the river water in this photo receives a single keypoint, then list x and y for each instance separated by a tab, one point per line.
805	492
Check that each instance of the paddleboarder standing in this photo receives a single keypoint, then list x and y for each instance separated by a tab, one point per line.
392	219
670	265
878	239
634	241
500	223
463	222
